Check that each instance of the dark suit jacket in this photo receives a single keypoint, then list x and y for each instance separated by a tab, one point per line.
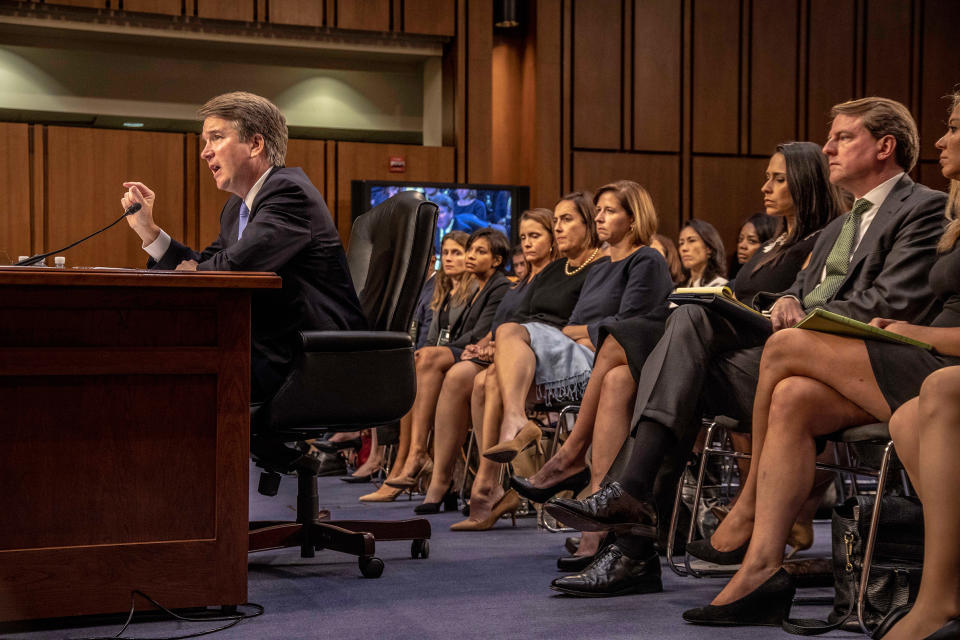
888	275
290	232
475	323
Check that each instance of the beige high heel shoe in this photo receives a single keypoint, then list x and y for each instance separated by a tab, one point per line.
409	482
507	451
800	538
383	494
509	503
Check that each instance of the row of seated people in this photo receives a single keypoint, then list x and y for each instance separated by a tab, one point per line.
598	326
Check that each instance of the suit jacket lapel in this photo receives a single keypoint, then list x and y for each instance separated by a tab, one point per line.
901	191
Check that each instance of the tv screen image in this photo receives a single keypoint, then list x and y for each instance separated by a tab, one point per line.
461	207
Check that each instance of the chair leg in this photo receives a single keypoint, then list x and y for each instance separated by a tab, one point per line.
872	535
471	441
674	523
704	459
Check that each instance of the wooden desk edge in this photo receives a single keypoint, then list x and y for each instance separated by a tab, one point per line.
79	277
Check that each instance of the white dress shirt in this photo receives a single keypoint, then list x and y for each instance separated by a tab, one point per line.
158	247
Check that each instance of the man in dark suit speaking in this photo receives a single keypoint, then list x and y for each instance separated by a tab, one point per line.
276	221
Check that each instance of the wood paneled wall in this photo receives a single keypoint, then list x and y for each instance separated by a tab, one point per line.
689	97
58	184
431	17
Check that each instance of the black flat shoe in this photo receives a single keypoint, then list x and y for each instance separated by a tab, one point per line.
609	508
949	631
704	550
334	447
449	503
574	564
356	479
767	605
612	573
574	483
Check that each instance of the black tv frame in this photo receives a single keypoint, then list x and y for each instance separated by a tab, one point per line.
520	202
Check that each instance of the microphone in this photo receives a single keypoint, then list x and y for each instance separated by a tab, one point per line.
132	209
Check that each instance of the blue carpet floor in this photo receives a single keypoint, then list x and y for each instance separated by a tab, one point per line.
483	585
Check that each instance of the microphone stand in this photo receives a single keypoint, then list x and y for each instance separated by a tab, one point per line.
26	262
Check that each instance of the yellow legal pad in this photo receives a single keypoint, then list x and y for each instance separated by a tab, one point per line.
829	322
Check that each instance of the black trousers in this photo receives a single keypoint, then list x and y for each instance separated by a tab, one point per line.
703	363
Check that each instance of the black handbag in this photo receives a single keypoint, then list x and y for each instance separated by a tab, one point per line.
894	572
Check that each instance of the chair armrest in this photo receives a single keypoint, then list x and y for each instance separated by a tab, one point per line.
344	341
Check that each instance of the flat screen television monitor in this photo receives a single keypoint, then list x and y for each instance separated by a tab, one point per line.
464	207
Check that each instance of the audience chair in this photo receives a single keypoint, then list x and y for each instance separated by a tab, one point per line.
349	380
717	430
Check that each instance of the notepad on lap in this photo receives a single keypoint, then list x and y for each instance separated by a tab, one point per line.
829	322
721	300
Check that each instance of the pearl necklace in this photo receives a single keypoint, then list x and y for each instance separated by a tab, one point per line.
566	265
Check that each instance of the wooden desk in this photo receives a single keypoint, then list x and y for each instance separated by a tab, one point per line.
124	438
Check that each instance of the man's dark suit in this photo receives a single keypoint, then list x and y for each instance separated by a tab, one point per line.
703	362
290	232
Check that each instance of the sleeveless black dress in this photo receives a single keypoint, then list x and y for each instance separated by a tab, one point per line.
901	369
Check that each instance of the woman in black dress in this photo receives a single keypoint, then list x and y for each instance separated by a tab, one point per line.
926	433
812	384
797	191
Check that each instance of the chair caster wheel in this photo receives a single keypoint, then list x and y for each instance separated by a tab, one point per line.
420	549
371	566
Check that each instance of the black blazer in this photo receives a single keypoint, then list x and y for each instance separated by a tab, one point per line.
290	232
476	321
889	271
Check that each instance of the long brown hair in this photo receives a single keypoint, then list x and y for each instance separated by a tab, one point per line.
952	232
583	202
544	218
445	283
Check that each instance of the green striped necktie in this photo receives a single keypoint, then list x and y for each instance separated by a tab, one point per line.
838	262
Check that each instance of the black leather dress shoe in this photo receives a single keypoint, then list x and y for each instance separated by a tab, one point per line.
704	550
574	564
609	508
613	574
767	605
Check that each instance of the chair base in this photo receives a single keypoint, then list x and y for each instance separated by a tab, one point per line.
355	537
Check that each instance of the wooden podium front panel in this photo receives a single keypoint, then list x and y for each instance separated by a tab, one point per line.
124	441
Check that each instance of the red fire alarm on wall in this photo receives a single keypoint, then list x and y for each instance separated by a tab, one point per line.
397	164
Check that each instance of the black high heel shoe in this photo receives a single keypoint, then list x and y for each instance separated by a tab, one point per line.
574	483
767	605
704	550
449	502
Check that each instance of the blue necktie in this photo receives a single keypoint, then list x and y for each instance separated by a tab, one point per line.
244	216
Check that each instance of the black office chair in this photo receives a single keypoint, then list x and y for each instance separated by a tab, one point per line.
349	380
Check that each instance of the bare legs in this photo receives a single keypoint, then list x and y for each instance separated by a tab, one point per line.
927	429
811	384
569	459
432	363
485	405
450	425
515	367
